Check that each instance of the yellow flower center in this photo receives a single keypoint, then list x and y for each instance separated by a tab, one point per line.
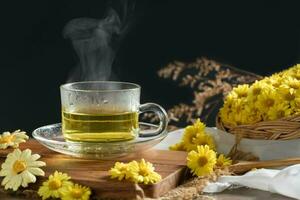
19	166
7	139
76	193
55	184
276	84
294	85
280	114
191	138
238	108
202	161
256	91
297	103
143	172
289	96
242	94
269	102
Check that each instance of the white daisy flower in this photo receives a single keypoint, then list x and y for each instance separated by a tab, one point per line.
20	169
12	139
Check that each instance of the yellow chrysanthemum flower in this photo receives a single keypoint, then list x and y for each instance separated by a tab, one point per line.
292	82
279	110
205	139
293	72
239	113
296	74
287	93
191	133
250	114
227	115
143	172
241	90
230	98
202	161
256	89
222	161
275	80
193	136
20	169
266	100
138	172
120	171
8	139
76	192
197	127
296	106
56	184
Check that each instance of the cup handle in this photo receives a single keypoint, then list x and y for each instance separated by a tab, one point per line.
162	115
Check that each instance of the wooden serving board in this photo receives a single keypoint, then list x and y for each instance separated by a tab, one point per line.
171	165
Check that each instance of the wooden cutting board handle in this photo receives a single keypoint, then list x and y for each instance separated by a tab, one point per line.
243	167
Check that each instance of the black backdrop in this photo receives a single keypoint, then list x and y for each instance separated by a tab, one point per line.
258	36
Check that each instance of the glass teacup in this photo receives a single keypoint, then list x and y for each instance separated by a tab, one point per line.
105	111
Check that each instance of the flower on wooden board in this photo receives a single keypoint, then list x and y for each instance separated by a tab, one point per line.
143	172
55	186
20	169
76	192
8	139
138	172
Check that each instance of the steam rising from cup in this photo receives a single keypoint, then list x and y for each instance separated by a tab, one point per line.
96	42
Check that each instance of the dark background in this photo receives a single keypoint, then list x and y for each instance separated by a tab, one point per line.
258	36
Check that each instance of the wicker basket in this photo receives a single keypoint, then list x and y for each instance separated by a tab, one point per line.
282	129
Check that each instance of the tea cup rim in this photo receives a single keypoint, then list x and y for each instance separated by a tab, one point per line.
67	86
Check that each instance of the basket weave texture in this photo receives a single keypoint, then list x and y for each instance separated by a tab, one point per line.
282	129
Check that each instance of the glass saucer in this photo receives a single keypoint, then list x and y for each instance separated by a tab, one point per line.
51	137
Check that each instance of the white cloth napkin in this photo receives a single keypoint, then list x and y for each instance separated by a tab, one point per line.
285	182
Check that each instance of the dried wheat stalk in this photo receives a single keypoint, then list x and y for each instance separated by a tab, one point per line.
192	189
210	82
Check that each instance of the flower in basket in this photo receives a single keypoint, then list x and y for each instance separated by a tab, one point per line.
20	169
271	98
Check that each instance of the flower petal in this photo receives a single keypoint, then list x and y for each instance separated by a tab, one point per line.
35	157
36	164
17	182
6	180
28	177
25	154
36	171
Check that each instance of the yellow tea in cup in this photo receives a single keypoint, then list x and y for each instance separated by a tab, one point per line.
99	127
104	111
